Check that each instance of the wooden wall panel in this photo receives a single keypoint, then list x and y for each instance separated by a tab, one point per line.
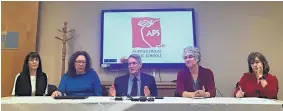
20	17
7	75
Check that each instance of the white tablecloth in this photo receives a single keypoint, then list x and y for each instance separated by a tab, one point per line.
166	104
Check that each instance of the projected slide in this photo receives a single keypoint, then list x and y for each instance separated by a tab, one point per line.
158	37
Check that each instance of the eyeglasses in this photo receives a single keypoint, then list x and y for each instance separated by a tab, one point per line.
256	62
132	63
80	62
33	60
188	56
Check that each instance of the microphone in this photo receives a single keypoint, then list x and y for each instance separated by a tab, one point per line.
258	94
65	90
129	97
219	92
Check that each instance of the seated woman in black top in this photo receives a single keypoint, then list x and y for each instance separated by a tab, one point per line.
31	81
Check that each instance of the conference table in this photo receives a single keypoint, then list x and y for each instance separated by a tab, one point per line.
166	104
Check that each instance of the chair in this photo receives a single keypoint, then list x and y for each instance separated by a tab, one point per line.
50	89
176	93
237	85
104	90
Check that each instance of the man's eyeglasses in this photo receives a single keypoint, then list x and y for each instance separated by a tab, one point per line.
132	63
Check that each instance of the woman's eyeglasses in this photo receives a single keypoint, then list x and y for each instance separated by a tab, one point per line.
80	62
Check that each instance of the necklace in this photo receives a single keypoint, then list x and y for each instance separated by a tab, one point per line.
195	77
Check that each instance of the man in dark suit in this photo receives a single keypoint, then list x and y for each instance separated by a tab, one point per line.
135	83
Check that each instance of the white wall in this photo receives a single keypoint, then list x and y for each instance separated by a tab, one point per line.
226	33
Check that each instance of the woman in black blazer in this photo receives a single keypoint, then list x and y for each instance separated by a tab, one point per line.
31	81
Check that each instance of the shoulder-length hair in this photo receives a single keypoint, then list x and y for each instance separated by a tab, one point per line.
71	65
26	66
251	59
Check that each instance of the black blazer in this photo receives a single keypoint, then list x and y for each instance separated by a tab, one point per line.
23	85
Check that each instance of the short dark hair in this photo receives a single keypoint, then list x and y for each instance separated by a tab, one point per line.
26	66
71	65
251	59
